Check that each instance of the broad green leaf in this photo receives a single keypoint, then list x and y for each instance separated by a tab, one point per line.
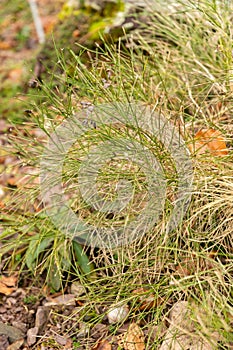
36	246
82	259
54	277
64	257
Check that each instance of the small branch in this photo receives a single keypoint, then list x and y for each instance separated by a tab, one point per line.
37	21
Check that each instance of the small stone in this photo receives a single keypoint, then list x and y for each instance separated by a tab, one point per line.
3	342
20	325
83	330
118	314
31	335
98	329
11	332
60	340
2	193
66	299
2	309
41	318
18	292
77	289
19	309
11	301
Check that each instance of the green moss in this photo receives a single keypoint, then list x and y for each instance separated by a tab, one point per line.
90	24
99	27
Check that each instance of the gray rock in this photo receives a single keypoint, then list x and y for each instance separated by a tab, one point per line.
60	340
41	318
66	299
20	325
77	289
83	330
31	335
11	332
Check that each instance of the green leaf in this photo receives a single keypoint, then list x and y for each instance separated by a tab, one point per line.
54	277
36	246
82	259
64	257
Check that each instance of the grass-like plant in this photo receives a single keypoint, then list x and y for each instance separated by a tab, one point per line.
180	63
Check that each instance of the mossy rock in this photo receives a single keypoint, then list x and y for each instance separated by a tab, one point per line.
79	29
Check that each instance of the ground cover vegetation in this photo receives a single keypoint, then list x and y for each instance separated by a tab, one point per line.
164	290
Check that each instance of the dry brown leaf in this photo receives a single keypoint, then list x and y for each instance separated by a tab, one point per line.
102	345
188	266
146	300
15	75
12	181
49	22
76	33
209	140
133	339
10	281
7	284
5	290
4	45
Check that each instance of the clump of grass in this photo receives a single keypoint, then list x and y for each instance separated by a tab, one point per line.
181	64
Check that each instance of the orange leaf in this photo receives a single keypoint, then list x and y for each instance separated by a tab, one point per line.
209	140
15	75
49	23
76	33
5	45
147	301
5	290
13	181
7	284
103	345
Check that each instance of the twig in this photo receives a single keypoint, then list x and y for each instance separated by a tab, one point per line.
37	21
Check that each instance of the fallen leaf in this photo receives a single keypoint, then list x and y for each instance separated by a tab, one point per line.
188	266
9	281
6	290
176	336
102	345
133	339
8	284
209	140
49	23
147	300
75	33
15	75
13	181
5	45
16	345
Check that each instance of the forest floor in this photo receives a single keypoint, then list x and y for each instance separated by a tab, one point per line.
19	301
195	284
